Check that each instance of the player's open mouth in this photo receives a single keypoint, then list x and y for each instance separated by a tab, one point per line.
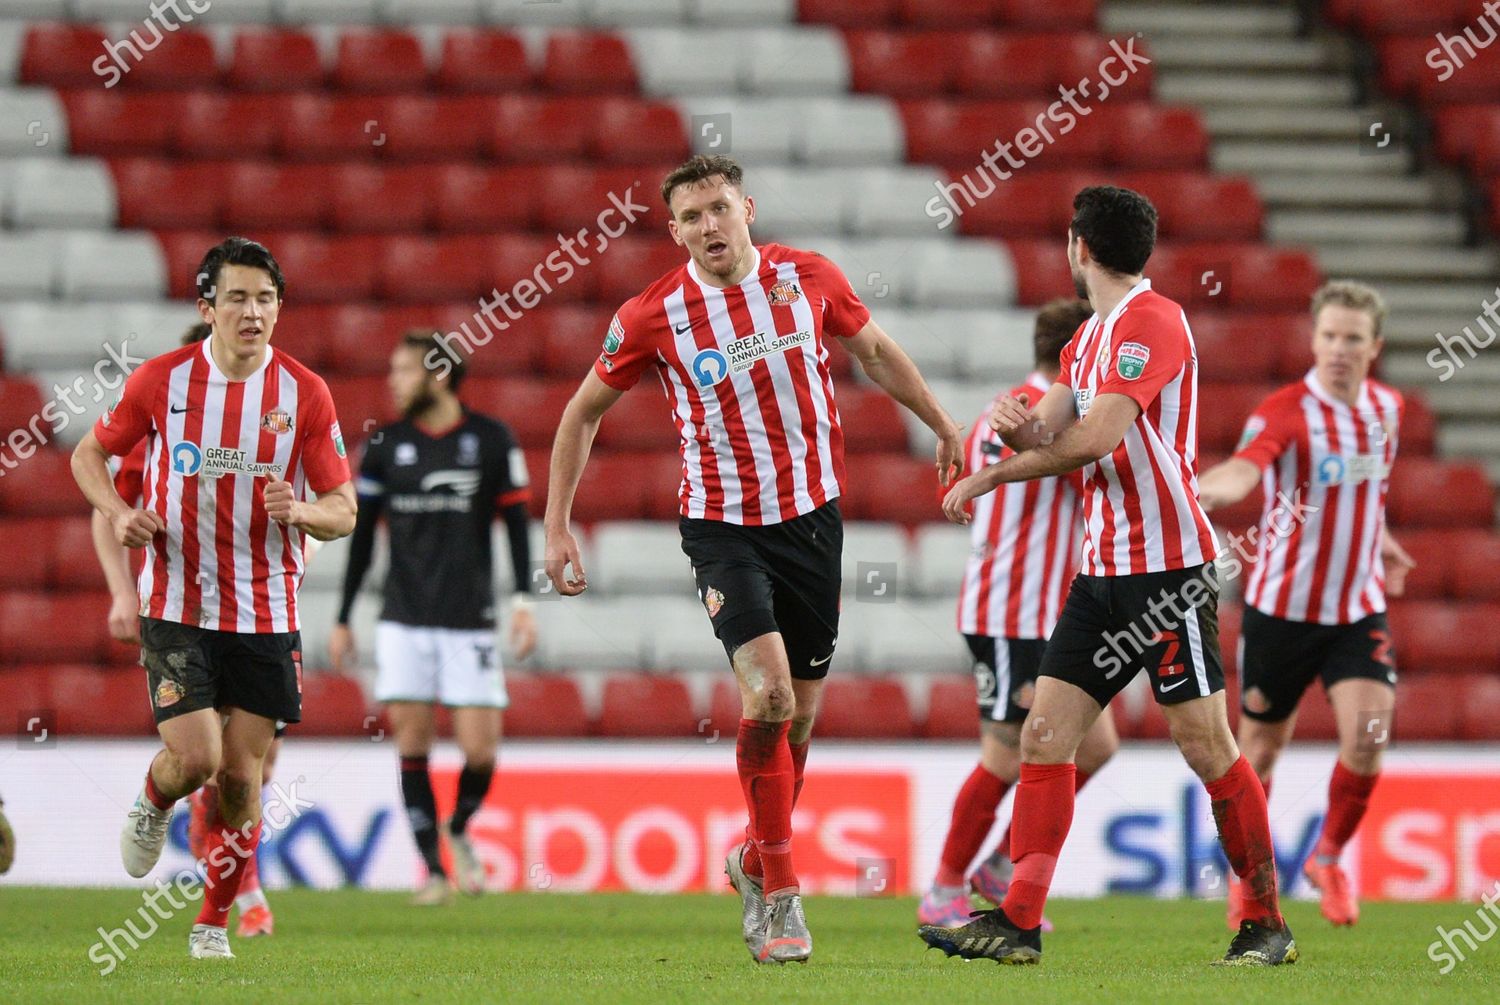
716	247
250	333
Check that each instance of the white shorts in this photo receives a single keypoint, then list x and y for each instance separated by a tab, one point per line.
448	666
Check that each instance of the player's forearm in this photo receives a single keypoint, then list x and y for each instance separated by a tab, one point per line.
1227	483
893	370
90	466
570	452
516	529
1067	451
113	559
361	553
331	516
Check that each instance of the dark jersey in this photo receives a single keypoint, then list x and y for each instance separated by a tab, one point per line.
438	495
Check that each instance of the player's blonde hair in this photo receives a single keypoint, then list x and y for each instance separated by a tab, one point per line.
1355	296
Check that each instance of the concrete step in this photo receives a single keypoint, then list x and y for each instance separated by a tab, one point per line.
1378	264
1463	298
1327	158
1383	227
1478	440
1287	122
1416	369
1256	89
1181	51
1406	331
1364	191
1465	399
1253	23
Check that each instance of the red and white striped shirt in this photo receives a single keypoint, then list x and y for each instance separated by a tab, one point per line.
1019	568
222	563
1140	504
745	371
1326	470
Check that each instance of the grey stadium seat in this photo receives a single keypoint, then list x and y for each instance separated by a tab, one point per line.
110	266
592	633
964	273
460	12
681	636
875	560
44	334
795	204
628	12
852	130
28	264
753	13
633	557
891	200
802	61
67	193
904	636
328	11
32	123
759	130
941	551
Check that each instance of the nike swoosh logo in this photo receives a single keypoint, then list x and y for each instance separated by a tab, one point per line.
1165	688
178	411
818	663
679	329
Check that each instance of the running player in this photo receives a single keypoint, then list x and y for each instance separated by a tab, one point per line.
738	337
440	477
1014	584
1146	596
240	435
114	559
1315	602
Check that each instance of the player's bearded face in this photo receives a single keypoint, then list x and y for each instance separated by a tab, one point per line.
1080	285
1344	345
243	311
410	382
712	219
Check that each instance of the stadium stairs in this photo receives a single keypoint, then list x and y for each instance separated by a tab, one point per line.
405	157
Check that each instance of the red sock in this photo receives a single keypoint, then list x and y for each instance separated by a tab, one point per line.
1043	814
751	861
250	881
1239	805
1348	798
228	850
973	816
154	796
1080	779
767	776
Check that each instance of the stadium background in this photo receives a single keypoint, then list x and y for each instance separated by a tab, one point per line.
406	158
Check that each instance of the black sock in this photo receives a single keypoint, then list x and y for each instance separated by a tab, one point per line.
421	811
473	783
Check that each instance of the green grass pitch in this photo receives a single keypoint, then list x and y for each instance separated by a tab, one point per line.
352	946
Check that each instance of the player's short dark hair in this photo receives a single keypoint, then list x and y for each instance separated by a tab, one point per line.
236	251
1119	226
1055	324
429	342
197	332
698	169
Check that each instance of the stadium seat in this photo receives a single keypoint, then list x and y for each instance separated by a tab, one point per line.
484	200
423	269
1029	204
157	192
544	705
1220	427
1434	551
20	403
53	627
90	701
72	564
515	258
419	128
61	55
1145	135
332	705
107	123
951	710
642	705
628	131
1432	493
181	59
1009	65
198	124
1233	346
380	59
327	270
724	709
1479	709
1445	638
362	403
1041	269
1429	708
611	488
262	195
639	421
864	707
533	129
1473	566
849	13
638	556
853	130
274	59
483	60
533	408
903	64
41	485
1315	716
584	62
1200	206
632	264
953	14
368	199
876	559
28	696
939	553
891	487
316	127
1052	14
570	336
26	544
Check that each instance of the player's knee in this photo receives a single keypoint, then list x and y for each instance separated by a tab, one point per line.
800	730
197	767
239	789
775	702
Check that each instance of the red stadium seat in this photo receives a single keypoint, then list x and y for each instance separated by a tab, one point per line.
41	485
303	332
908	64
316	127
1473	566
1445	638
156	192
53	627
28	696
1200	206
109	123
1222	411
1145	135
639	421
182	59
1234	346
101	702
871	421
229	126
612	487
662	475
1428	708
1431	493
1418	425
571	339
1479	707
988	64
485	200
866	708
327	270
369	199
633	263
638	132
1087	56
183	251
574	197
951	710
483	60
1041	269
951	14
849	13
275	59
58	55
955	134
354	339
73	565
1433	551
434	129
894	487
533	129
724	709
544	705
383	59
362	403
536	268
422	269
333	705
1028	205
532	409
20	405
1244	276
638	704
581	62
262	194
1047	13
1397	17
25	543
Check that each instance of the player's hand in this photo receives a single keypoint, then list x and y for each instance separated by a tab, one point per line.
124	609
281	505
341	649
1010	414
135	528
522	632
1397	564
956	502
562	551
950	456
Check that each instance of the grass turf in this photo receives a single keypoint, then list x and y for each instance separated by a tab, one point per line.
368	947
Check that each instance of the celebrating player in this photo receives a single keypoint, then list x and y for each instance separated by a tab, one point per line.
1315	603
239	436
738	336
1014	584
440	476
114	559
1123	410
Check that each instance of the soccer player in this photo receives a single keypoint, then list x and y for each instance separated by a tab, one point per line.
1315	602
114	559
1014	584
440	476
1146	597
7	842
241	436
738	337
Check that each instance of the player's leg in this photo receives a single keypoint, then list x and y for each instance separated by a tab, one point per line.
255	910
471	681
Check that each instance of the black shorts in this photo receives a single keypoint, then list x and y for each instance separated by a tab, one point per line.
1280	658
1113	627
782	578
190	668
1005	675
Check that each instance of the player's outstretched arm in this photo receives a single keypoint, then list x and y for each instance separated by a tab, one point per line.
1023	426
888	365
570	452
330	516
1227	483
1096	436
132	528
